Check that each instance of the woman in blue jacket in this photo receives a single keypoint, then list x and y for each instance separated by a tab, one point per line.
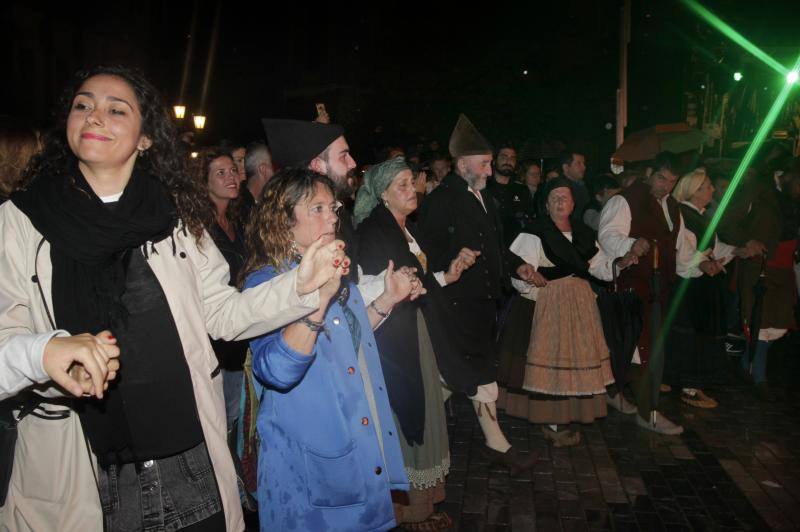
329	452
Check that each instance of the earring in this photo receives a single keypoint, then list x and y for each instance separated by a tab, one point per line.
295	249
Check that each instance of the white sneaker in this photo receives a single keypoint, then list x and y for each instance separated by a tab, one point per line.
618	402
662	426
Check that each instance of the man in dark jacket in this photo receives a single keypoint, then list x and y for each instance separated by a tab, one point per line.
762	217
454	216
573	167
512	199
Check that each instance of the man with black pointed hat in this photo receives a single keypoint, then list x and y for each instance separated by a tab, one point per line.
322	148
456	216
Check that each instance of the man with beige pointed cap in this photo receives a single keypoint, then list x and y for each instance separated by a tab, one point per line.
453	217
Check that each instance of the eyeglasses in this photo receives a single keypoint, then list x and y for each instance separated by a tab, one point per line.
323	210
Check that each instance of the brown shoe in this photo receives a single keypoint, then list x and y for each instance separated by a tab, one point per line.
513	459
564	438
434	522
699	400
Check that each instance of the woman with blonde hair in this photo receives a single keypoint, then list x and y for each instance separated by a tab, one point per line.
695	348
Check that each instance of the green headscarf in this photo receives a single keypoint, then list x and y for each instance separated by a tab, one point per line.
376	179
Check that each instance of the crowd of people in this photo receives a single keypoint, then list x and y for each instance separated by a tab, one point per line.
263	328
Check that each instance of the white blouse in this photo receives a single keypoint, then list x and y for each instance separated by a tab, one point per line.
414	248
687	263
529	248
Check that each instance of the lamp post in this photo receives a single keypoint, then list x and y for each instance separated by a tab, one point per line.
199	122
180	111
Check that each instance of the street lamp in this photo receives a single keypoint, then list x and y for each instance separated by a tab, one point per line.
180	111
199	121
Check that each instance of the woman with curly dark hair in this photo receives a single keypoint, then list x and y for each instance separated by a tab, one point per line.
110	235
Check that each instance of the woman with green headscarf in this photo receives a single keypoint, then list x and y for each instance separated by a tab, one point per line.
411	340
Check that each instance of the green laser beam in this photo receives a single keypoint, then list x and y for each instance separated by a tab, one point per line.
735	36
752	150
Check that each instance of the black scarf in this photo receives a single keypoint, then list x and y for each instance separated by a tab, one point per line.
570	258
697	223
87	241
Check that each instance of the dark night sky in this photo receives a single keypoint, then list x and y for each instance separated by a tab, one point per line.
406	67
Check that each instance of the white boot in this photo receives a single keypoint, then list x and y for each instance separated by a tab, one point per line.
659	423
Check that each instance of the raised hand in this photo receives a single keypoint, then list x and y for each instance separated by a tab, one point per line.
398	284
319	265
468	256
417	289
420	182
455	270
330	288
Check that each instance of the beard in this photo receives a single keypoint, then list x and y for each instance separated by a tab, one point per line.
344	192
474	181
339	180
505	170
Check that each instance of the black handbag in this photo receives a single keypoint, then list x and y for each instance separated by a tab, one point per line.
24	404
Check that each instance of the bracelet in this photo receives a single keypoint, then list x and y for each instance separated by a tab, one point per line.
315	326
374	307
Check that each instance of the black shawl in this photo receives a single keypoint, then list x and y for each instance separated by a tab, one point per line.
569	258
380	239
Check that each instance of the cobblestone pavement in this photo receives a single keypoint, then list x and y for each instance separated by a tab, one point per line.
734	468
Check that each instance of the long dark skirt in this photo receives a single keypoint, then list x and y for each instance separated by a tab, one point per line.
512	352
695	349
513	348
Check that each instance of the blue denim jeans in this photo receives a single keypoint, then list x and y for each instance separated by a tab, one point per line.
160	495
759	361
232	388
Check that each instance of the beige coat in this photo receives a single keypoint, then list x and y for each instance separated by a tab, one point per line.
52	486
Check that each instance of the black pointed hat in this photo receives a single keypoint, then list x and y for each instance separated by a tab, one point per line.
295	142
467	140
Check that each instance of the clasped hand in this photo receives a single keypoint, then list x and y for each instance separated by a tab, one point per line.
528	273
464	260
321	264
711	267
83	364
402	284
